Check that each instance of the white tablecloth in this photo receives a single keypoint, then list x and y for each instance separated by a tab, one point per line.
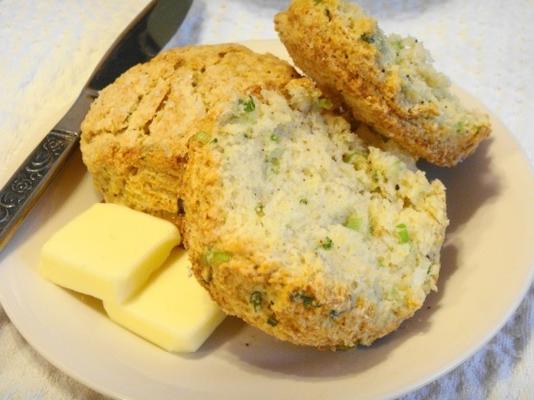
48	49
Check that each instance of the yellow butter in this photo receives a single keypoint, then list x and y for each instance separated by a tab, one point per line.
108	252
172	311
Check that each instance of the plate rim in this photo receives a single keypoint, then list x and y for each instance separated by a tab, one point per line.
34	340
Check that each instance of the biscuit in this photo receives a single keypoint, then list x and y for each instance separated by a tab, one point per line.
386	81
298	227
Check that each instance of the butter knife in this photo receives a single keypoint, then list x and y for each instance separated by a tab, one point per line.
141	40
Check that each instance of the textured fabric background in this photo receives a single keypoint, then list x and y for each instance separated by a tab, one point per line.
49	48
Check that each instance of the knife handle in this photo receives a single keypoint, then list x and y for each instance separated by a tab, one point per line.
29	181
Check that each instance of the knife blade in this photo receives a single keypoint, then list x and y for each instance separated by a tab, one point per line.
142	39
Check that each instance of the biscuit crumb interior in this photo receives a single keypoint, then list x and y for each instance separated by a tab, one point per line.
313	197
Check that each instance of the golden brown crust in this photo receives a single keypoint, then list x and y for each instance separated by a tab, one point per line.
346	69
134	136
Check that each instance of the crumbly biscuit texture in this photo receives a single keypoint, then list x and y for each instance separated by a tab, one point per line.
387	81
297	226
134	136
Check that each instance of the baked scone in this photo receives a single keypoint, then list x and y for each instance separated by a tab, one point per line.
298	227
387	81
135	134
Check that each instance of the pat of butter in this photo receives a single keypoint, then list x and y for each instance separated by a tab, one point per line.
108	252
172	311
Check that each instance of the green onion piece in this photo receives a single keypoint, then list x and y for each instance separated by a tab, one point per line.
353	222
255	300
303	201
248	105
215	257
402	233
397	44
357	159
326	243
459	127
259	210
380	261
275	165
272	321
275	138
306	299
325	104
202	137
347	157
367	37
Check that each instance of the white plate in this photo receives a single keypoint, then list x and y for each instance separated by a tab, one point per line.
487	268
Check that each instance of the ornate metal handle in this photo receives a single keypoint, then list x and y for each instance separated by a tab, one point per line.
29	181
